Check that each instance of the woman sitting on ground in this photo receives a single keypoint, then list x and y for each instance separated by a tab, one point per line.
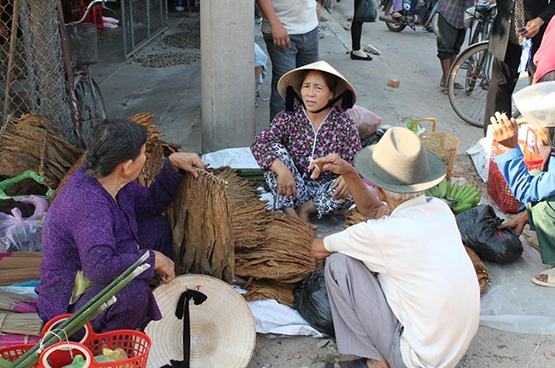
313	126
102	221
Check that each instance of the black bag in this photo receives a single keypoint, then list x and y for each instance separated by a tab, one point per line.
311	301
478	228
366	11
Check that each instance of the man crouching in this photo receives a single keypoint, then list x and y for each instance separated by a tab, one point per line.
402	289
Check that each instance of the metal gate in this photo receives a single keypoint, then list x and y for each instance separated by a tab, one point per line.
142	21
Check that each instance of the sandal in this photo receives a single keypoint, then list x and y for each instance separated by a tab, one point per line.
545	278
357	363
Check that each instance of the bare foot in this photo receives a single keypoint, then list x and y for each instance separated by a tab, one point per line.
305	211
371	363
291	212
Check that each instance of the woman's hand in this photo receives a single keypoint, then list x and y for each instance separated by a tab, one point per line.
517	223
505	130
341	189
164	267
186	161
286	180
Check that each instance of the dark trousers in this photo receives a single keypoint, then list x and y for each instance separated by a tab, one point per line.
356	29
504	76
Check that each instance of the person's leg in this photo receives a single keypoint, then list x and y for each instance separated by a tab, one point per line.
397	6
356	34
446	40
307	47
541	217
287	204
363	322
504	76
283	60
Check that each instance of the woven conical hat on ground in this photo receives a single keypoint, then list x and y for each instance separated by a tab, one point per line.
222	327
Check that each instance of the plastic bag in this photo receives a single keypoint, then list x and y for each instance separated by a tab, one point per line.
311	301
21	234
365	120
367	11
478	228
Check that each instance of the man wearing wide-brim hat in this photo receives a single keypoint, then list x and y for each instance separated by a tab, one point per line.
537	104
402	289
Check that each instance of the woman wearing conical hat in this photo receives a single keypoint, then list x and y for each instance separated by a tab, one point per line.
313	124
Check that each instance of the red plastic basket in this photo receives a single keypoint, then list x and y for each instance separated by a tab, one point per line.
498	188
135	343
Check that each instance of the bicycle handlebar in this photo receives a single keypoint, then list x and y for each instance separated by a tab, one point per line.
89	8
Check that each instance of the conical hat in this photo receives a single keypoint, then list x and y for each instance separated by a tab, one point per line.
294	78
222	327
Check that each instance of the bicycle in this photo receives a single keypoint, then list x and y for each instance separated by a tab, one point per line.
470	75
87	99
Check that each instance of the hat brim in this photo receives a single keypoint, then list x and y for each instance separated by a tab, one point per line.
294	78
366	166
223	330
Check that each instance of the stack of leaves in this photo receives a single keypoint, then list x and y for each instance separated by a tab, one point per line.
154	149
19	267
459	197
269	289
481	270
353	217
33	143
200	220
18	315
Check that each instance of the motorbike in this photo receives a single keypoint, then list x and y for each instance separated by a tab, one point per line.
425	15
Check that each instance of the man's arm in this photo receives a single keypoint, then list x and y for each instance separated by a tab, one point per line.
279	33
366	201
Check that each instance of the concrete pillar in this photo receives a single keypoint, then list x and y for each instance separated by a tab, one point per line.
227	63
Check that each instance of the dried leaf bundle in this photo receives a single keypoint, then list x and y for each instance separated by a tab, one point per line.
481	270
249	222
33	143
19	267
353	217
154	149
267	289
20	323
202	235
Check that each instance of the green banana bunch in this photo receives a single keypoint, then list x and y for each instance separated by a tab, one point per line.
460	197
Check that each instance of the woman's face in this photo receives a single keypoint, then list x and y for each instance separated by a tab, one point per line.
138	164
315	93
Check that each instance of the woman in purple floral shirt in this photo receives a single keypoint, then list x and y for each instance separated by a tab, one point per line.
304	131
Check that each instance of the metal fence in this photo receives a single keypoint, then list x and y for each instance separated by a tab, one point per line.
32	72
142	21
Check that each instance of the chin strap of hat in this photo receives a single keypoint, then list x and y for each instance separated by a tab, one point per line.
182	312
290	96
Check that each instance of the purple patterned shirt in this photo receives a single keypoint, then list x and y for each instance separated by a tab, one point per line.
453	11
337	134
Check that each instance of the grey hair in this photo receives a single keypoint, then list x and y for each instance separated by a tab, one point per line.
402	197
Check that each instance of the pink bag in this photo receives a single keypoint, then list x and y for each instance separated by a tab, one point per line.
365	120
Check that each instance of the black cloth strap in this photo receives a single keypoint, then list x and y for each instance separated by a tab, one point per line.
182	312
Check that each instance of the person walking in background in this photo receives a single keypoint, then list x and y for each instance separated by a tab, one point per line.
290	29
516	20
450	35
356	33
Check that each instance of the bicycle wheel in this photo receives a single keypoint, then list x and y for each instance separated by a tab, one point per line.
392	26
468	83
90	106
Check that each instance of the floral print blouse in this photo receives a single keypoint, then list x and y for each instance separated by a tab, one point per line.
293	130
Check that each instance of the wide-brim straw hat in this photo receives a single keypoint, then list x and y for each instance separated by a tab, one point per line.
222	327
536	103
399	163
295	77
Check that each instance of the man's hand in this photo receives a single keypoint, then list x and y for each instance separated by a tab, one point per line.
186	161
318	250
331	162
341	190
280	35
164	267
505	130
533	27
517	223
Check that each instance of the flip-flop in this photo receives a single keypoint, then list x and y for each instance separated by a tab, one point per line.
357	363
545	278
